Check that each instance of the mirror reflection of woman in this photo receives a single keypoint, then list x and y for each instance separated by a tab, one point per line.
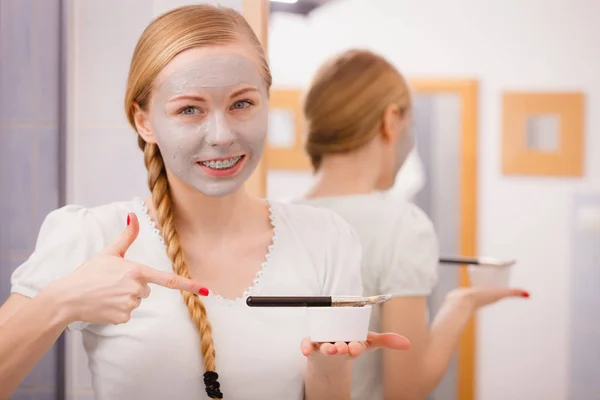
358	112
158	286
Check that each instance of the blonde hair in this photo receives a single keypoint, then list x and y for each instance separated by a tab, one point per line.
170	34
346	101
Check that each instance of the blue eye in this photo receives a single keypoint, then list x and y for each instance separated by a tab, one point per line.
189	111
242	104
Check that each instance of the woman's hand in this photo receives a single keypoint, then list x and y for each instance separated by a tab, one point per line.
374	340
329	367
477	297
107	288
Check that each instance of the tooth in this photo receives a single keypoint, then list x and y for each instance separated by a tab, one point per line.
219	164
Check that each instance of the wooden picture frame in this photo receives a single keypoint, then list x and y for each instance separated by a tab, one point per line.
560	117
291	157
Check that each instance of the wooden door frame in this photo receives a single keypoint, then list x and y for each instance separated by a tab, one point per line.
467	90
256	12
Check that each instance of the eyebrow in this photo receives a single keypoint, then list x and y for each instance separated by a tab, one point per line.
186	97
244	90
200	98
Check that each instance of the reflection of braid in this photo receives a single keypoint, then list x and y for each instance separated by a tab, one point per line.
161	199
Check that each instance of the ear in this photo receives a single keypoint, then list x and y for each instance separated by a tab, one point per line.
391	124
142	124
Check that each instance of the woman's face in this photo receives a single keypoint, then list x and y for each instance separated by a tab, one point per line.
208	115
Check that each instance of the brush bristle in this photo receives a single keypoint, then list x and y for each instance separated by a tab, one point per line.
380	298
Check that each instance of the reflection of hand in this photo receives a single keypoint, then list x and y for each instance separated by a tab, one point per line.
477	297
107	288
354	349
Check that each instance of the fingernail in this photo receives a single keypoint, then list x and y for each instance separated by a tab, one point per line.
525	294
203	291
128	220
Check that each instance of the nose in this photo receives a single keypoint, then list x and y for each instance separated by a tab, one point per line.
220	133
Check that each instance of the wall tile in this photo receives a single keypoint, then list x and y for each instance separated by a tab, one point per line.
47	37
19	64
29	154
21	394
44	373
5	273
47	172
18	159
43	395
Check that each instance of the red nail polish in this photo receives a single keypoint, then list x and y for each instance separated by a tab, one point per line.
203	291
525	294
128	220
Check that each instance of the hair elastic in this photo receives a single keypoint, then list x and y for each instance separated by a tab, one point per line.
212	385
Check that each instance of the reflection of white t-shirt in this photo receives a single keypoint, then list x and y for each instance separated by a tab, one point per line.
400	257
156	355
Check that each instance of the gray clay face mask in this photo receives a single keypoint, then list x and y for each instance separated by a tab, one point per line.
209	138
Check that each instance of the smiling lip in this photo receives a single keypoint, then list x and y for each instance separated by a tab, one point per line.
222	172
220	158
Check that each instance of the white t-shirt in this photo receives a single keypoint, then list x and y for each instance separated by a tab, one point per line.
156	355
400	257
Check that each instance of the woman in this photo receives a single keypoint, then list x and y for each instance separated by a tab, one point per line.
358	111
197	96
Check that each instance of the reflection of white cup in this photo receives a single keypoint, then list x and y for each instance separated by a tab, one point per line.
338	324
489	276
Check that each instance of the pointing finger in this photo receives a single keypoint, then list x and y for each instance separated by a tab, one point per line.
172	281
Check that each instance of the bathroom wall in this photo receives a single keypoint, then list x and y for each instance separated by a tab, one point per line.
29	148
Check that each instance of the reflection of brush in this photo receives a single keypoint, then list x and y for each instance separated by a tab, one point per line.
481	261
315	301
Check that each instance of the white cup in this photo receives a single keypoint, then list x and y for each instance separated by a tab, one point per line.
489	276
338	324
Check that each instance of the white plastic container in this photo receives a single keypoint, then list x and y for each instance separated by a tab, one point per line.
490	276
338	324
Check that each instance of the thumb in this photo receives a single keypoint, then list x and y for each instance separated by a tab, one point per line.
120	246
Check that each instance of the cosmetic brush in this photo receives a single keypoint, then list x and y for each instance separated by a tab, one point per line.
480	261
315	301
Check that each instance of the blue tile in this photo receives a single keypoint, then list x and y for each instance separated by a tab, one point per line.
18	78
44	373
5	273
17	163
30	157
46	48
45	395
8	264
21	394
47	172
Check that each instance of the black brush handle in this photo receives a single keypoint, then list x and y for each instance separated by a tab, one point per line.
459	260
288	301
